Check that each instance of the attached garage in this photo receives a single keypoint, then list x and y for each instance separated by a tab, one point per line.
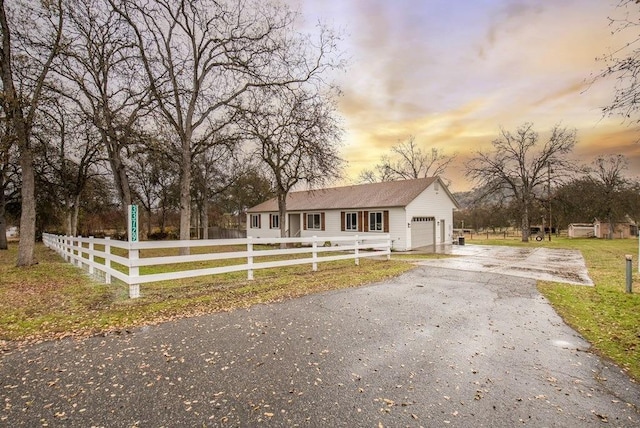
423	231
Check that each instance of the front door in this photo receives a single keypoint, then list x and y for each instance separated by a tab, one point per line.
294	225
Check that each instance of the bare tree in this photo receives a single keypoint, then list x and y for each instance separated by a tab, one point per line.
608	174
623	64
408	161
200	56
519	164
215	171
602	191
31	40
67	152
297	136
378	174
100	73
250	189
153	182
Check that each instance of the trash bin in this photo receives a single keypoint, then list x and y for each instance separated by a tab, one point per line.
460	240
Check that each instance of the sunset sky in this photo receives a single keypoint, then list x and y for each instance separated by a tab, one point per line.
451	73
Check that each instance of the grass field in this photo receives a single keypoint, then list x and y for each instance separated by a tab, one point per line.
54	299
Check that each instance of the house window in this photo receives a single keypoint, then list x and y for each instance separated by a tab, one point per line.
314	221
375	221
255	221
274	221
351	221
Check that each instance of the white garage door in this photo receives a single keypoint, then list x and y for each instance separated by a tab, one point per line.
422	231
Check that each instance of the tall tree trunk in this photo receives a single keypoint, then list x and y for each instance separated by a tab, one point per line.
28	215
4	245
185	198
16	117
149	214
205	219
68	221
282	213
163	217
611	228
120	178
22	122
75	215
526	230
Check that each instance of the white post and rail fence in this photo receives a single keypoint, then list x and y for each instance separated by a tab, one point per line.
122	259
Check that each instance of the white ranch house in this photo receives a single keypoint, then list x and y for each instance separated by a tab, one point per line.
416	213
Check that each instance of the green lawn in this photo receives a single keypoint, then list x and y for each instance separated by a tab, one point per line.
54	298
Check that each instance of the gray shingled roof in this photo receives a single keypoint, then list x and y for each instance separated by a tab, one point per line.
376	195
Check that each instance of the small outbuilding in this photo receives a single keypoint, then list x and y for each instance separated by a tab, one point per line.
600	229
581	230
416	213
621	230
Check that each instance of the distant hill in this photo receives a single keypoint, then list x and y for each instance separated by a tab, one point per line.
474	197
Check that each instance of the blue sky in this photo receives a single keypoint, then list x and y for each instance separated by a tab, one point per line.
452	73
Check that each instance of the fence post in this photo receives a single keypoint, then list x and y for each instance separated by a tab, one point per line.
80	251
107	260
65	248
389	247
356	252
249	258
71	251
134	273
314	254
91	268
629	259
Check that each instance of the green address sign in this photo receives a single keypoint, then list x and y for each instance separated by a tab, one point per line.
133	223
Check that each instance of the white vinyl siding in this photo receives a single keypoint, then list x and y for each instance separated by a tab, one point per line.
433	202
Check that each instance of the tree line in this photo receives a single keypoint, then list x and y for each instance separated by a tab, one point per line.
178	105
165	103
523	180
526	181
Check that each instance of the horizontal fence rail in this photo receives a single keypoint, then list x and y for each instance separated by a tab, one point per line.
122	260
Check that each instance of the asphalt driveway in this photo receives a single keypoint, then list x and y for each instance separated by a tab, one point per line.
434	347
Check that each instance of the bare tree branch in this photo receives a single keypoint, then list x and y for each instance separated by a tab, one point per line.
518	165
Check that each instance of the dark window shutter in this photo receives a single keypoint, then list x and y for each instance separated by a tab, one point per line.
342	221
360	221
321	221
366	221
259	221
270	220
304	221
385	221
